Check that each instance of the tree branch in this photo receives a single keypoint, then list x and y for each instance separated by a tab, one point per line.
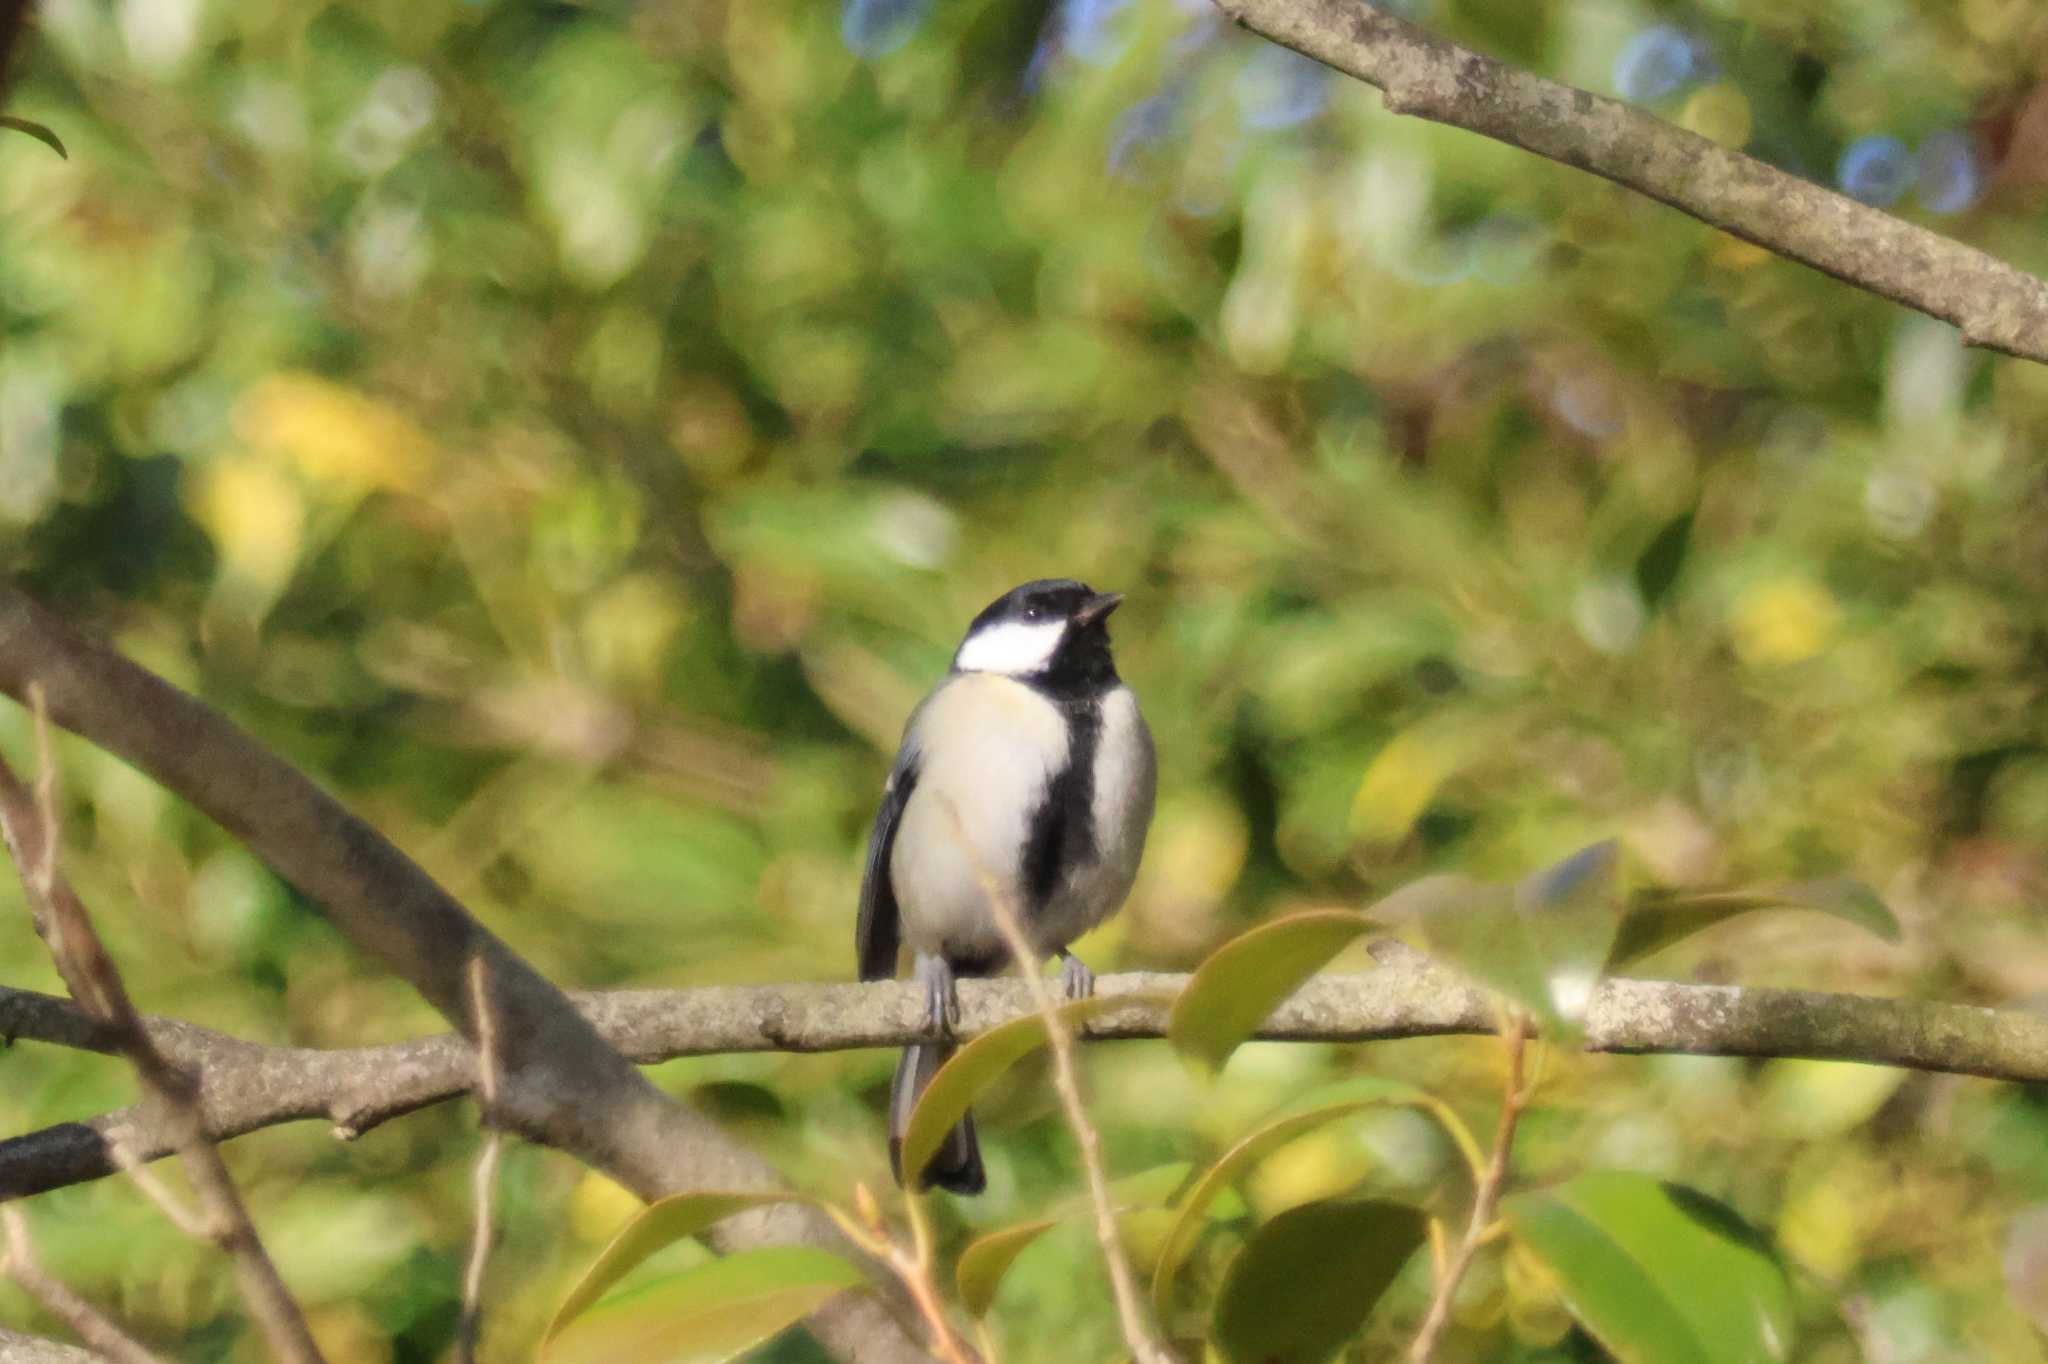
1995	305
107	1340
29	826
18	1348
563	1086
485	1181
1485	1199
247	1087
1131	1307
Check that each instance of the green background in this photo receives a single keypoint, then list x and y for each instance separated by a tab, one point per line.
578	434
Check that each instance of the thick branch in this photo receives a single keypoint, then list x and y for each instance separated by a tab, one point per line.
1995	305
247	1087
563	1085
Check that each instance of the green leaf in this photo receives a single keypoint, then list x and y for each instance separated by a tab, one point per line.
1441	893
979	1064
1570	915
984	1263
1146	1188
40	132
1244	980
1660	919
1308	1279
1542	943
713	1312
1658	566
1298	1118
1477	928
1658	1273
658	1225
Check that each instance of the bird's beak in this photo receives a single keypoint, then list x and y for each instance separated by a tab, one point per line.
1096	607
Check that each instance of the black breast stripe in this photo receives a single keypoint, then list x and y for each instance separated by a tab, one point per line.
1063	826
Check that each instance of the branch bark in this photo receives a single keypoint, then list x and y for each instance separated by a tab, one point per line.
247	1086
19	1348
563	1086
1995	305
29	826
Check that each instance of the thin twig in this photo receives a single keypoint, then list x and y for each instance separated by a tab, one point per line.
182	1215
1130	1306
1485	1199
564	1086
19	1264
29	824
489	1068
913	1267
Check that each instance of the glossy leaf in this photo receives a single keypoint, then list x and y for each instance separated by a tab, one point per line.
979	1064
1243	981
710	1313
1304	1116
1442	893
1308	1279
1661	919
1542	943
1570	915
657	1226
41	132
1477	928
984	1263
1658	1273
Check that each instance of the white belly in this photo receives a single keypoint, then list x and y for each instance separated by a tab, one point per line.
989	747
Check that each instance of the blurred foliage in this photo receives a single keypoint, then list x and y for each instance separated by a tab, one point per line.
577	433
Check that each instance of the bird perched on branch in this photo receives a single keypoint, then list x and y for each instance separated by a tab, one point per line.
1028	772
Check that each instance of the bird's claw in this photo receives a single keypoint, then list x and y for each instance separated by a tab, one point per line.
1075	977
941	998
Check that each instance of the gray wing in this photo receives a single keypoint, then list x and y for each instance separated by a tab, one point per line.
879	931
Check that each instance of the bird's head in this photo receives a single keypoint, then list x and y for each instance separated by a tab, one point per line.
1053	630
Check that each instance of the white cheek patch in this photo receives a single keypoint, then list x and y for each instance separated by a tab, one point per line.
1012	647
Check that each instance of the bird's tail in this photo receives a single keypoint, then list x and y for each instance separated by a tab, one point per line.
957	1165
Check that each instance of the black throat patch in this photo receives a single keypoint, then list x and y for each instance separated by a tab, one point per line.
1062	831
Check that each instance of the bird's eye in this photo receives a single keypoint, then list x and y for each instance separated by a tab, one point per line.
1034	613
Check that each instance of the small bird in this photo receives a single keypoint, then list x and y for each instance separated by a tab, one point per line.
1029	769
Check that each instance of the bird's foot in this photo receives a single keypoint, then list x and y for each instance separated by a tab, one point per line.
1075	977
941	998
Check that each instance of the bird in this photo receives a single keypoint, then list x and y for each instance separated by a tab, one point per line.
1028	771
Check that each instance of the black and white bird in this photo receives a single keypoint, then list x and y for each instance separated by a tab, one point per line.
1029	769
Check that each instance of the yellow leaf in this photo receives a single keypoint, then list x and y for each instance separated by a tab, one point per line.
257	521
1404	776
1720	113
1828	1211
600	1206
1324	1164
1785	620
334	434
